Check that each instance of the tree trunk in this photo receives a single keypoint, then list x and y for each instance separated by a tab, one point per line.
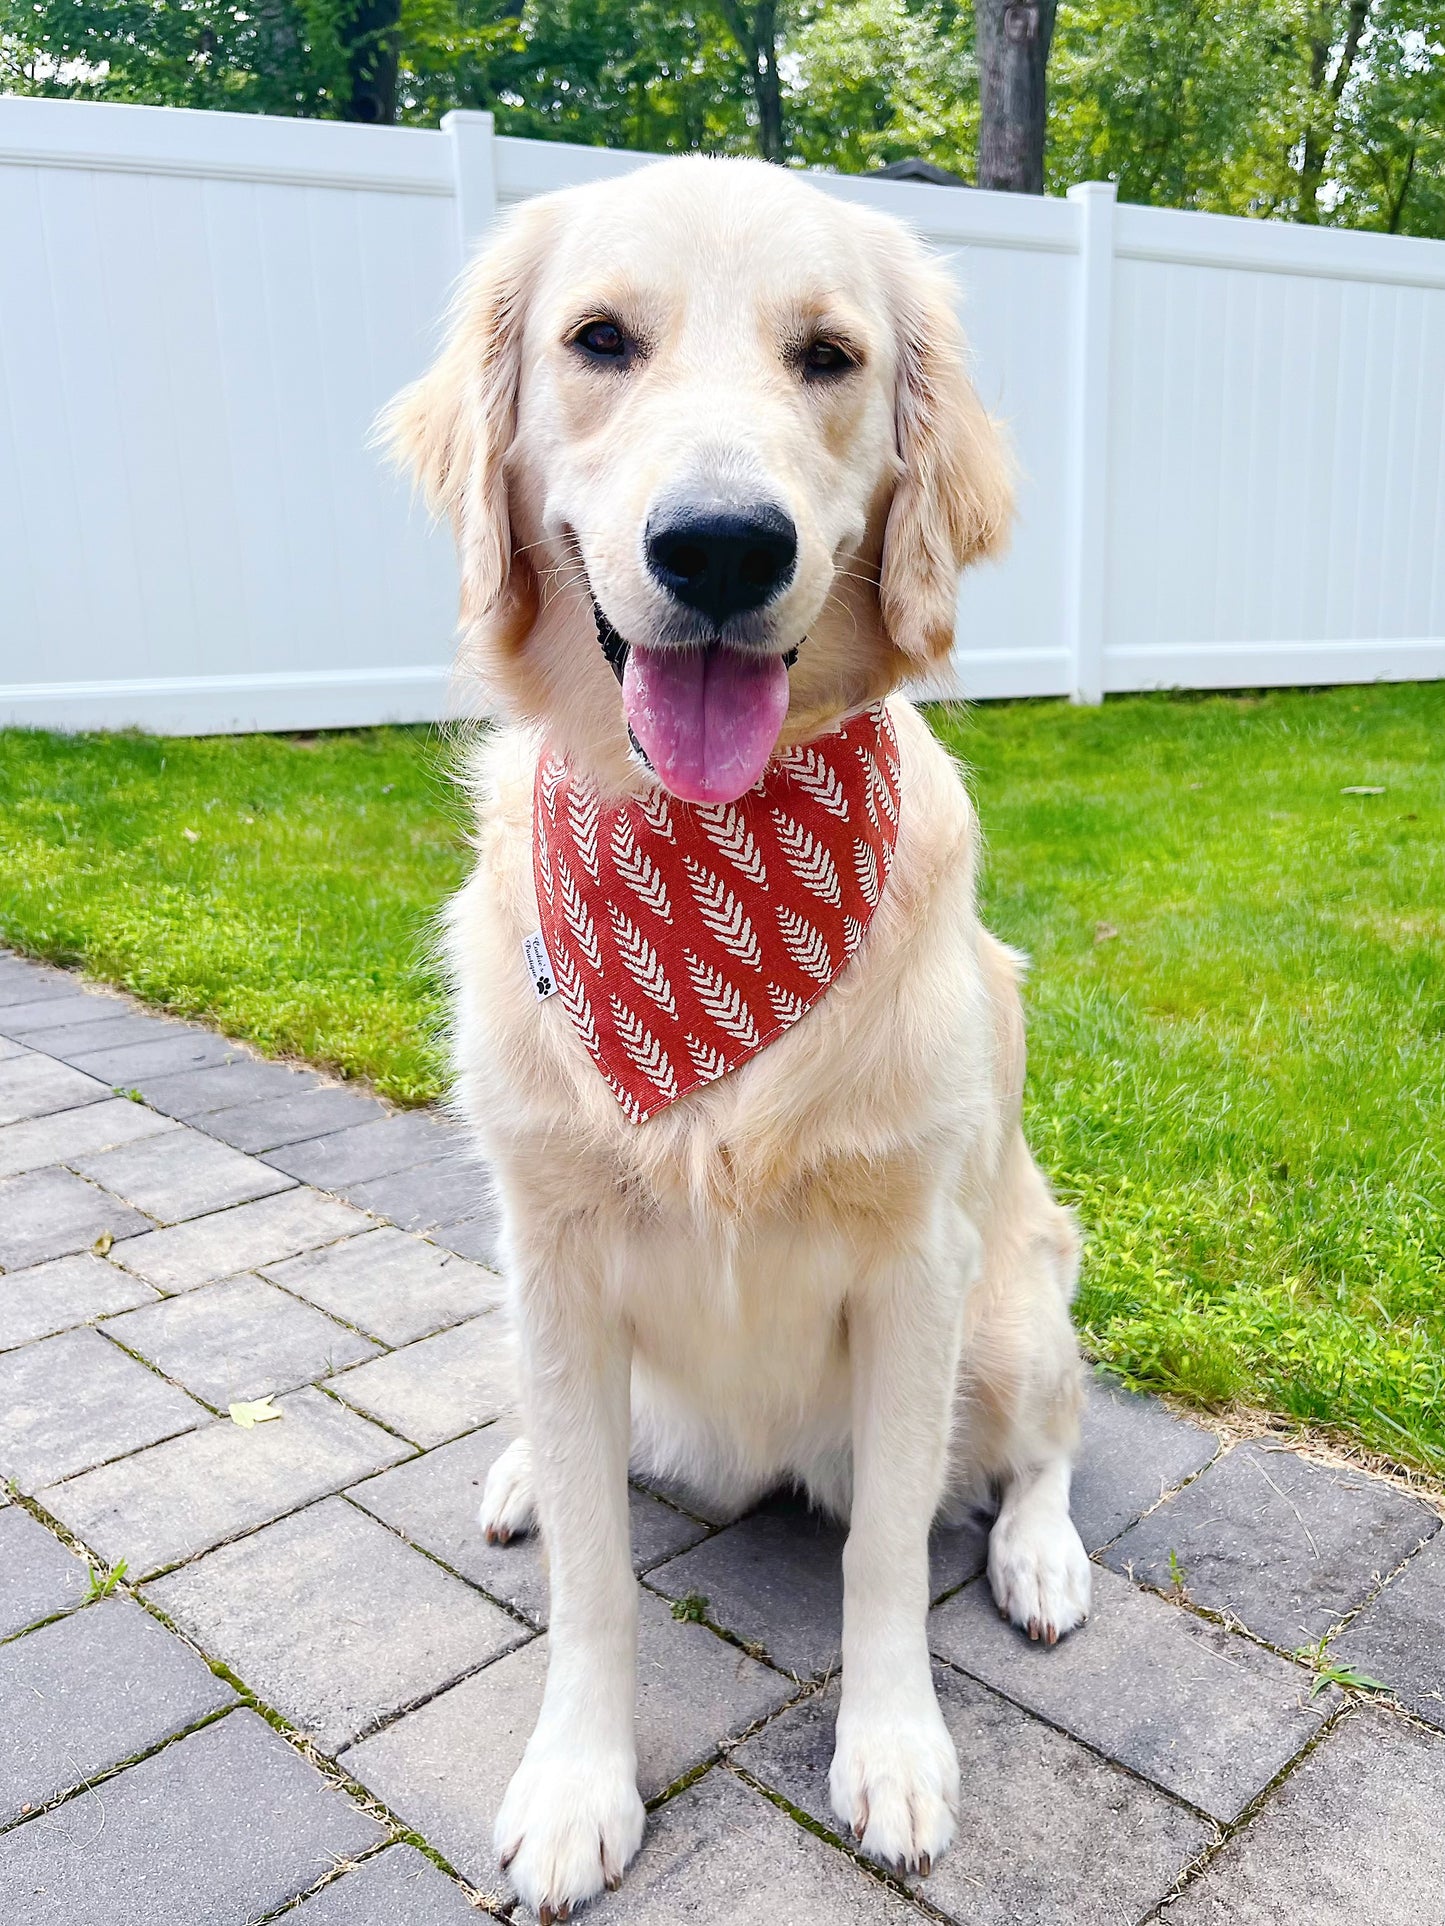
1013	58
756	32
1397	201
371	34
1325	92
767	87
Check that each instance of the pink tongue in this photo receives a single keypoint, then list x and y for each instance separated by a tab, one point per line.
708	718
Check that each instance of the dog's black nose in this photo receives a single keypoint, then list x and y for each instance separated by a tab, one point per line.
722	561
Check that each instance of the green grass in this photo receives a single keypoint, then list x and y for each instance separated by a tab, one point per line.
1237	1005
284	888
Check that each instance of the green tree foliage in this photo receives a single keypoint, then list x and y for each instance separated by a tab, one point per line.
1306	110
874	81
648	74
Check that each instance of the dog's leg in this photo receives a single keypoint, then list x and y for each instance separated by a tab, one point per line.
1038	1570
894	1778
572	1818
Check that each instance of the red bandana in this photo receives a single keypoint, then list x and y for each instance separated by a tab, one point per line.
685	937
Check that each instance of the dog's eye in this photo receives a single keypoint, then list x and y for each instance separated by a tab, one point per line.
603	341
823	358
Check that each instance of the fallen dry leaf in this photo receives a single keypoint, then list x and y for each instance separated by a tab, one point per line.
1363	789
191	835
256	1411
102	1243
1104	932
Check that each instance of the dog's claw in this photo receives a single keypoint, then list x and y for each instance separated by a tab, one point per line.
506	1858
545	1914
925	1865
1035	1630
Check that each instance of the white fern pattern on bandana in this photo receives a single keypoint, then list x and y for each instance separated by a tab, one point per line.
685	938
726	829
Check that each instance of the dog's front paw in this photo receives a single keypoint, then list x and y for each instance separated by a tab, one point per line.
894	1783
570	1822
1039	1572
509	1505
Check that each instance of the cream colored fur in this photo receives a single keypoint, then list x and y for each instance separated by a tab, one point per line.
839	1265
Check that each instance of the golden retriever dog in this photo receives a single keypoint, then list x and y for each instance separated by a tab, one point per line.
722	421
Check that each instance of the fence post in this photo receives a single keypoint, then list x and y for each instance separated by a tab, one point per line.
474	173
1089	450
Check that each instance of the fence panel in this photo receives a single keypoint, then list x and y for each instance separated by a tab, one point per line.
1229	433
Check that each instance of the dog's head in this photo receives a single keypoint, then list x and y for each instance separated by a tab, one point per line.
731	413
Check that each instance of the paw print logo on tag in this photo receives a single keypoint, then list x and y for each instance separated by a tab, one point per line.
539	968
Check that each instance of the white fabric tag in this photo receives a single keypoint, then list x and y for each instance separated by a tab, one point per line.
539	967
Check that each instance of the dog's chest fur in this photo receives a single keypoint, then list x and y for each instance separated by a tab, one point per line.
730	1227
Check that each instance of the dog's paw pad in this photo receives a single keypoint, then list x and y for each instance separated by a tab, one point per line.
508	1508
894	1784
1039	1574
567	1829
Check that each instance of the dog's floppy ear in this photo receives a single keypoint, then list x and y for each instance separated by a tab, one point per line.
954	498
452	430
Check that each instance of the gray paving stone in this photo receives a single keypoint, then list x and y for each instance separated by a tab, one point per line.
392	1285
216	1830
50	1213
240	1239
1132	1452
1353	1835
330	1618
58	1295
10	1049
444	1767
73	1401
1185	1704
239	1339
688	1499
68	1010
475	1237
71	1040
419	1198
185	1496
433	1501
36	1086
81	1695
1400	1637
368	1150
184	1174
22	980
195	1093
774	1579
270	1122
1046	1833
75	1133
1284	1546
38	1576
134	1064
398	1887
958	1552
440	1387
720	1852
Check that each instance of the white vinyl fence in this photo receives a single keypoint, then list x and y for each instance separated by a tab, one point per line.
1231	433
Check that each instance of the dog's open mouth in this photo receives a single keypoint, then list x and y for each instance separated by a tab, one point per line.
706	718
